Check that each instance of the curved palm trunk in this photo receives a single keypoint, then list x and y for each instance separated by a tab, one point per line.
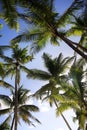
63	117
72	45
16	100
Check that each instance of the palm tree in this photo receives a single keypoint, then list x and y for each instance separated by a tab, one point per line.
75	93
24	110
49	26
54	75
14	64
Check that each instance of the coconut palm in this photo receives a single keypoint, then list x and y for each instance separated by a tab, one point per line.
48	26
55	74
14	64
75	93
24	109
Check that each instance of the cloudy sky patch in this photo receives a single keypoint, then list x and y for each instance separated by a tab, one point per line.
44	107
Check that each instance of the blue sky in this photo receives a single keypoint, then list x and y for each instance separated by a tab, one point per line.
46	115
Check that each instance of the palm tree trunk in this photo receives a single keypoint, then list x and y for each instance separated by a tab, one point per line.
12	123
72	45
63	116
16	100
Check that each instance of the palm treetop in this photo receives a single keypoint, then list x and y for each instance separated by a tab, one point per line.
18	57
49	26
55	67
55	74
75	92
24	110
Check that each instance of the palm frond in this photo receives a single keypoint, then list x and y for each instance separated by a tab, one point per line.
31	108
27	59
6	58
67	15
38	74
5	111
23	95
25	114
6	99
2	70
83	40
26	36
6	85
45	91
49	63
61	109
25	69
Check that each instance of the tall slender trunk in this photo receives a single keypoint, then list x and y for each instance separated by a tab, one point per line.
63	117
12	123
16	99
72	44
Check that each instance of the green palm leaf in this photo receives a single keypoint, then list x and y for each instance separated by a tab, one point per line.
31	108
5	111
6	99
44	91
24	113
5	84
34	73
65	18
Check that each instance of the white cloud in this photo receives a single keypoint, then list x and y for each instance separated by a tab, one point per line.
44	107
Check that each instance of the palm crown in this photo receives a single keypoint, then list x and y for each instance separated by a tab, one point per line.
48	26
24	110
55	74
75	93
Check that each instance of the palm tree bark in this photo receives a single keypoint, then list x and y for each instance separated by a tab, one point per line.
63	116
12	123
72	45
16	99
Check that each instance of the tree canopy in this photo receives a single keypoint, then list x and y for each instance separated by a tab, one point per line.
66	77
